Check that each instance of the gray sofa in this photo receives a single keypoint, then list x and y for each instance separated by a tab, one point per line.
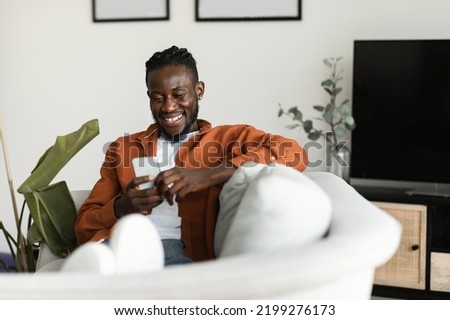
339	265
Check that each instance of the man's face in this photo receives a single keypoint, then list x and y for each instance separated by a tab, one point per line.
174	99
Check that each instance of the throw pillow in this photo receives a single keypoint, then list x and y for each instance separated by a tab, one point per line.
281	207
230	198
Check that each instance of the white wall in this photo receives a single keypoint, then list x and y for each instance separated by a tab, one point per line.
58	69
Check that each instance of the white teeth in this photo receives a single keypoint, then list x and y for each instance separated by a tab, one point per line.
178	117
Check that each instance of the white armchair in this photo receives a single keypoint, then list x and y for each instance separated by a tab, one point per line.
341	265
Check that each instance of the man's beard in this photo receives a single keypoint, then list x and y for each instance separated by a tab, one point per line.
180	135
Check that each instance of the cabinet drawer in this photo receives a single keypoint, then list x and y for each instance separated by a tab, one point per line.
407	267
440	272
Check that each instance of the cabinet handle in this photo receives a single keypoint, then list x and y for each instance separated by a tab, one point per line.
415	247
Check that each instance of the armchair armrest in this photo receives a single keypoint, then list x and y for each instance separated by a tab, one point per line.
47	261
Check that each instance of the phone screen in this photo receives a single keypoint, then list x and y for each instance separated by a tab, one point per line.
146	166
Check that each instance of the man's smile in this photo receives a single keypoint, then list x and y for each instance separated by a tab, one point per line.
172	119
173	123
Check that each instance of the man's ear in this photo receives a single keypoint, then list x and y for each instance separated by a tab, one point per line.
148	93
200	88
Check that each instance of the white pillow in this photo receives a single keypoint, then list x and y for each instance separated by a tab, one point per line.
230	198
280	207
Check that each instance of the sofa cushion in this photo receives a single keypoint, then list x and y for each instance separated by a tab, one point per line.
280	207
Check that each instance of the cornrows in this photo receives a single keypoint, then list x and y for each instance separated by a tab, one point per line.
172	56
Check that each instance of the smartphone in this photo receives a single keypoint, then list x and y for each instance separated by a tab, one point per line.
146	166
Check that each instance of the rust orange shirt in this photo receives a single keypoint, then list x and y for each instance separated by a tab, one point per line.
236	144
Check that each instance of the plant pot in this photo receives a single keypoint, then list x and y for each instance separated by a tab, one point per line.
338	163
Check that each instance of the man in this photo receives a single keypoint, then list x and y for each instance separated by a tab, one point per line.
198	159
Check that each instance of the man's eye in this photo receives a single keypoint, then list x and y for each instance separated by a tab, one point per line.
178	95
157	99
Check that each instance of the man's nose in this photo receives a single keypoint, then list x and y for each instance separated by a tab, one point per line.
169	105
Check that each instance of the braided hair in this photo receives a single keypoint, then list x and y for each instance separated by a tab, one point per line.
169	57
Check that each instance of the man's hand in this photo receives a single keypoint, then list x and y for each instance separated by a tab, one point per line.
176	183
135	200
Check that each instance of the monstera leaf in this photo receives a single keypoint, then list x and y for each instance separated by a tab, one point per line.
54	215
51	206
57	156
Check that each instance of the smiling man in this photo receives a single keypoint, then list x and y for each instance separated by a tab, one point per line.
196	160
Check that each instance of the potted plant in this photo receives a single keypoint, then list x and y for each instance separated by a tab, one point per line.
336	115
52	212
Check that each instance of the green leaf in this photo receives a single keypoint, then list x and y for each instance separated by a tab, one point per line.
349	123
345	107
327	83
292	126
33	234
337	91
307	126
54	215
328	117
56	157
339	131
336	114
330	108
319	108
349	120
296	114
328	91
328	62
315	135
280	112
293	110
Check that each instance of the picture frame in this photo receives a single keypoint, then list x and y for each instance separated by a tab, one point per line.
247	10
129	10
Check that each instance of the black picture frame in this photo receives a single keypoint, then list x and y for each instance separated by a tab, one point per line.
130	10
241	10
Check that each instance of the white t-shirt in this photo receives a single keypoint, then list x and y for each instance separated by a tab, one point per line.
165	216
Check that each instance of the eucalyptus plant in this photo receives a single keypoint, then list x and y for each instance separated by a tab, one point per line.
336	115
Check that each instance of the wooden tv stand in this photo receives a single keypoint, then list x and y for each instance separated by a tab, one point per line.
421	267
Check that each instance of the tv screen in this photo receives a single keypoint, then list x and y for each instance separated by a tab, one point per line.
401	106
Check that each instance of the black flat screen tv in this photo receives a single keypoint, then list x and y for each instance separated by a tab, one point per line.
401	106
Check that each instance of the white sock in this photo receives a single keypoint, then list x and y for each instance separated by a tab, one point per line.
136	245
91	257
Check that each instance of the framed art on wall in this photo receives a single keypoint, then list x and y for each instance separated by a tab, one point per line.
129	10
247	10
